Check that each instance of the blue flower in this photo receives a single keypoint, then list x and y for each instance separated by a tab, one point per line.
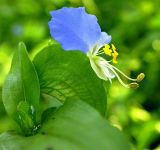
75	29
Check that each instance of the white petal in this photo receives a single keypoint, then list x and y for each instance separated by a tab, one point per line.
101	68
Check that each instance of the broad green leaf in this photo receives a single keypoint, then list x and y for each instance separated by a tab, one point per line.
11	141
65	74
21	84
47	114
75	126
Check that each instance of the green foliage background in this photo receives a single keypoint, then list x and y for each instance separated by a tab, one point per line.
135	29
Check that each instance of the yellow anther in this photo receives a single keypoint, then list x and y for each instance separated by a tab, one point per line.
114	54
113	47
134	85
114	60
140	77
107	50
111	51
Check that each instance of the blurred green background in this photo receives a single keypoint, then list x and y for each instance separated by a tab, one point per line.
135	29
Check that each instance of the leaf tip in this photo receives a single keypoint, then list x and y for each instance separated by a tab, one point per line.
21	45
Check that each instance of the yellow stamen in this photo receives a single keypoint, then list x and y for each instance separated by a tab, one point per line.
114	60
134	85
114	54
113	47
107	50
140	77
111	51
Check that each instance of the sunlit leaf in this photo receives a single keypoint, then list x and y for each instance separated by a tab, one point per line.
64	74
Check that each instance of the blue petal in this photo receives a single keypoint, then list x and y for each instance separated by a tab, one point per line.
104	39
74	29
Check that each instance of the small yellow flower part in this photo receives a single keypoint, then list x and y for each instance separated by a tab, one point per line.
113	47
107	50
114	60
111	51
140	77
114	54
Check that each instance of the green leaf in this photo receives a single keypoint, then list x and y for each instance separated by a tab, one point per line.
75	126
11	141
21	84
46	115
68	74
